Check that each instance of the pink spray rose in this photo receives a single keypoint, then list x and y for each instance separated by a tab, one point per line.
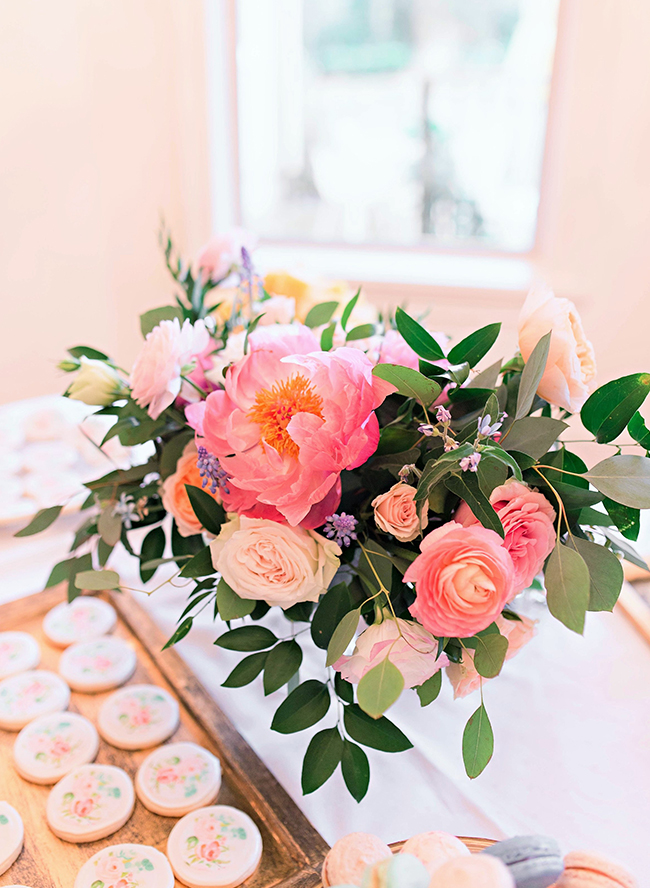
527	518
463	577
397	513
223	251
395	350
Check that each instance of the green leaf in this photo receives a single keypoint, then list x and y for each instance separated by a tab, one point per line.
282	664
420	340
374	562
153	546
533	435
172	452
332	607
182	546
593	518
478	743
611	407
303	707
96	580
531	376
639	431
180	633
409	382
505	457
342	636
466	486
437	469
152	318
628	552
103	552
199	566
247	638
41	521
320	314
85	351
377	733
625	479
343	688
327	337
251	329
490	654
626	519
109	524
300	612
355	769
349	308
66	570
209	512
246	670
363	331
491	473
97	884
321	759
605	574
566	578
393	440
428	691
379	688
230	605
486	378
475	346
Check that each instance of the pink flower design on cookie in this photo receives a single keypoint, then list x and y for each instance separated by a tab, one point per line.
167	775
83	807
211	850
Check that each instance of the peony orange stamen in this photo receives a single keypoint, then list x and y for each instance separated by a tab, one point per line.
275	406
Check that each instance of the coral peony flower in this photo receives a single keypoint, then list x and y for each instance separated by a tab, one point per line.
463	578
174	495
570	371
267	561
217	258
95	383
397	513
527	518
413	652
168	348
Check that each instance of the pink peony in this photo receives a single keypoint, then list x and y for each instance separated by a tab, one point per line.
217	258
413	652
463	577
168	348
527	518
395	350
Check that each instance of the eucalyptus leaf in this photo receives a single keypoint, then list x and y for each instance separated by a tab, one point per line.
152	318
379	688
566	577
466	486
437	469
533	435
409	382
605	574
97	580
41	520
486	378
531	376
180	633
342	636
349	308
109	524
625	479
363	331
490	654
478	743
639	431
320	314
327	337
626	519
429	690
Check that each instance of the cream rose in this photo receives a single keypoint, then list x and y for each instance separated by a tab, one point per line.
397	513
267	561
96	383
570	371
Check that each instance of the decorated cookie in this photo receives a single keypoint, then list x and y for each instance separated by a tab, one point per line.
90	802
178	778
83	619
25	696
50	746
138	716
11	835
126	866
217	846
18	651
91	666
348	859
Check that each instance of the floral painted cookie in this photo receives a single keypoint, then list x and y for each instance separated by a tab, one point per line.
91	666
138	716
216	846
126	866
50	746
25	696
90	802
178	778
12	834
83	619
19	651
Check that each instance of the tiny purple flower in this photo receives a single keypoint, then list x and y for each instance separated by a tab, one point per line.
443	415
341	528
426	429
450	444
486	429
246	261
210	470
470	462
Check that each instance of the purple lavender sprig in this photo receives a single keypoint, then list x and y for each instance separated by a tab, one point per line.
341	528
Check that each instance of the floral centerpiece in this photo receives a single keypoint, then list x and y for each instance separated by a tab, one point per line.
359	474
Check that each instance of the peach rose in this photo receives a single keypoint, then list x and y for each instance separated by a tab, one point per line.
463	577
396	512
570	371
174	496
527	518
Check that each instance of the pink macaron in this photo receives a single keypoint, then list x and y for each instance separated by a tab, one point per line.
348	859
434	849
585	870
475	871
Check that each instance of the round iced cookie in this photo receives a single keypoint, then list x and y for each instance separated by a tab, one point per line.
138	716
83	619
25	696
178	778
131	866
217	846
19	651
12	834
90	803
50	746
92	666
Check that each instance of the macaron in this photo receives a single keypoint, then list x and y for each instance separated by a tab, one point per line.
178	778
50	746
12	835
434	848
25	696
585	870
98	665
475	871
126	865
348	859
217	846
397	871
90	803
82	619
138	716
533	861
18	651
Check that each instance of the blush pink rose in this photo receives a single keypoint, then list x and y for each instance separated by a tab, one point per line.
223	251
527	518
60	747
168	348
397	513
83	807
413	652
570	372
166	775
109	867
210	851
463	578
141	716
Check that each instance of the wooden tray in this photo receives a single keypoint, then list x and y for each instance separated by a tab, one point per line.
293	850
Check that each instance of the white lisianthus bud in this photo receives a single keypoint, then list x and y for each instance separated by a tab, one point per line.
96	383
